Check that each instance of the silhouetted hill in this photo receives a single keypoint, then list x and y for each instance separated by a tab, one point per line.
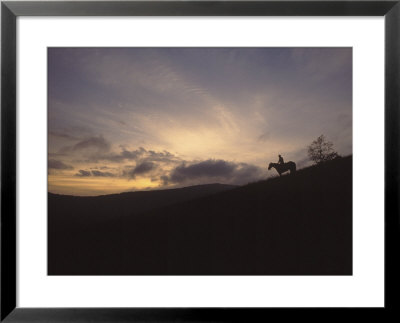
293	225
70	208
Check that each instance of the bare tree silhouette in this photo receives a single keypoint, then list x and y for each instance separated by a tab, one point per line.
321	150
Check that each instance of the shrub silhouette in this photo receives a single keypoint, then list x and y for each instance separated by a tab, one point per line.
321	150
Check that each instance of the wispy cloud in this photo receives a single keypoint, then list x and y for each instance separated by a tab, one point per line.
97	144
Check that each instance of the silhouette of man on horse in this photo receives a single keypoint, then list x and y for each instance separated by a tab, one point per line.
282	167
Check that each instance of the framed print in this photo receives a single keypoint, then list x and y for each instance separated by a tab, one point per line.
161	173
198	161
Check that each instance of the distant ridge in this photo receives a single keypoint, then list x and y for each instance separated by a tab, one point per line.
69	207
202	187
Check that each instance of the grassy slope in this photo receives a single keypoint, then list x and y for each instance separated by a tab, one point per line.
294	225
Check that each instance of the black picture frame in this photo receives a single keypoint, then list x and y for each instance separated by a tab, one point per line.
10	10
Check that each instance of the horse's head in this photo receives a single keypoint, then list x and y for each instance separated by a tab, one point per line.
270	166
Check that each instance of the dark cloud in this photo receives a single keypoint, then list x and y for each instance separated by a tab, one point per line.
164	179
57	164
83	173
208	168
96	149
102	174
213	170
139	155
95	173
140	169
124	155
144	168
164	156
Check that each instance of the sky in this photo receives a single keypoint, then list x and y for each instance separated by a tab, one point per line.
129	119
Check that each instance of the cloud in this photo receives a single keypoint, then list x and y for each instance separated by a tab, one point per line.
102	174
103	167
95	173
140	169
98	144
164	179
139	155
208	168
213	170
83	173
160	156
57	164
123	155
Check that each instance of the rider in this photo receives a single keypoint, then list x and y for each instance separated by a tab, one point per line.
280	160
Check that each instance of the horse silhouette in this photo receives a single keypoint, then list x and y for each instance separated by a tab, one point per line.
283	168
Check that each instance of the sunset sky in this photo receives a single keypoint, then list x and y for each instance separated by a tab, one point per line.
126	119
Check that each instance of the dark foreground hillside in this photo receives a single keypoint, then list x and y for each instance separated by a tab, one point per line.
293	225
71	210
